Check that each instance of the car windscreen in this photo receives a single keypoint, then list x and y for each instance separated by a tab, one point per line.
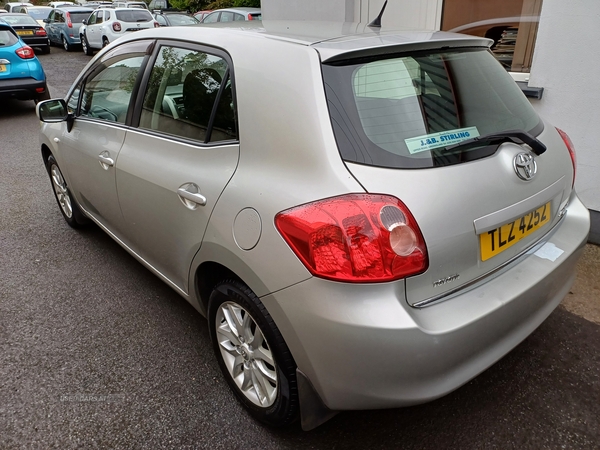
411	110
19	20
182	19
134	15
39	14
79	17
7	38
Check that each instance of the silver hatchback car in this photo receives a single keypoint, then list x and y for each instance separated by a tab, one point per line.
368	219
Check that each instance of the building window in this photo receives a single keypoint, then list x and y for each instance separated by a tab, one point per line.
512	24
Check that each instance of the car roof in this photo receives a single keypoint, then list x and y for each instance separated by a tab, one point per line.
242	10
333	40
75	8
6	27
121	9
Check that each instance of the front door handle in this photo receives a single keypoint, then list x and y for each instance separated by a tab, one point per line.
194	197
105	160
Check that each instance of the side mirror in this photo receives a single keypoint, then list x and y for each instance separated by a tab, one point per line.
84	21
54	111
46	21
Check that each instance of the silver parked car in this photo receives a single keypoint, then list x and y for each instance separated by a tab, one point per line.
368	219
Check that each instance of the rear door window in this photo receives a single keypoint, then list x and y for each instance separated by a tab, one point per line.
405	111
190	95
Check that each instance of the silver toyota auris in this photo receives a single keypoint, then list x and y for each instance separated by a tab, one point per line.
367	219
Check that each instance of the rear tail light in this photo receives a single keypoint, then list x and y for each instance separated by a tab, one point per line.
25	52
250	17
357	238
569	143
40	32
116	26
156	24
69	23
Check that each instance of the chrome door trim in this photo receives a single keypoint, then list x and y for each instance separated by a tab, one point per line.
510	213
530	249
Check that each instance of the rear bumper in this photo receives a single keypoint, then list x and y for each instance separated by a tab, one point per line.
36	42
364	347
21	88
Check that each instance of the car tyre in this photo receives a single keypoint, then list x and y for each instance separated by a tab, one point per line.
85	45
105	42
44	96
68	47
66	203
252	354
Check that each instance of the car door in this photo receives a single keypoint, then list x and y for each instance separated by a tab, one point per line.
92	30
50	27
94	142
173	168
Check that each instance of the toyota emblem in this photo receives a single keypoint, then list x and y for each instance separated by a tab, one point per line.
525	166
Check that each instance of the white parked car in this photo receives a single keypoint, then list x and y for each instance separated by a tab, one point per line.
107	24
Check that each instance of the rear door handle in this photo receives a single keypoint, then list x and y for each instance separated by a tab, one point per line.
105	160
194	197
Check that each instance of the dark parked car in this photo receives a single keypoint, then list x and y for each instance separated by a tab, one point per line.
32	33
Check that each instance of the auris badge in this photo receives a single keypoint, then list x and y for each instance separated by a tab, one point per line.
525	166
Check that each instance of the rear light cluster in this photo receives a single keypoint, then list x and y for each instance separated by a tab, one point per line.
116	26
69	23
569	143
357	238
156	24
25	52
40	32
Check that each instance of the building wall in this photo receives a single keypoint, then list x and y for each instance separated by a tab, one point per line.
566	63
421	14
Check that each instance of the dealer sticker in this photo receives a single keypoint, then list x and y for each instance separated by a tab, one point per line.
430	141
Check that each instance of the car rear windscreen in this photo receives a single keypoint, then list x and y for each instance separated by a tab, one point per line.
134	15
7	38
405	111
79	17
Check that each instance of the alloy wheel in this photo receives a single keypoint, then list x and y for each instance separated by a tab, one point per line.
246	354
61	192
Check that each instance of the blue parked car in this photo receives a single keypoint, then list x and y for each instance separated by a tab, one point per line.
21	73
63	23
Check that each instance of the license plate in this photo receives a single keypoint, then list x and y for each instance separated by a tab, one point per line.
24	32
496	241
2	68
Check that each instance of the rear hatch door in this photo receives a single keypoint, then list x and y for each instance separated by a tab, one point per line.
403	123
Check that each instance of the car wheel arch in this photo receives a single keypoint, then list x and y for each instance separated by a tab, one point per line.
212	264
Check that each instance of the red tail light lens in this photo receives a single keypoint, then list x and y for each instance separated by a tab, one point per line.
40	32
357	238
250	17
25	52
569	143
69	23
116	26
156	24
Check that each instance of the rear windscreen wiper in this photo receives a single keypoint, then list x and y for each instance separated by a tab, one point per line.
515	136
